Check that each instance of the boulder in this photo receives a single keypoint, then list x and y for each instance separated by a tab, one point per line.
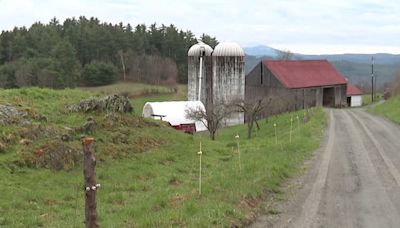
112	103
11	115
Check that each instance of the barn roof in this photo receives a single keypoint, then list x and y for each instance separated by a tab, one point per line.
304	73
353	90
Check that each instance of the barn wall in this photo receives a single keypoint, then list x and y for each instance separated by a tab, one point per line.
340	96
319	96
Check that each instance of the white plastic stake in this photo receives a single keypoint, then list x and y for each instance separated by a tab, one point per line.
298	121
200	153
238	148
291	127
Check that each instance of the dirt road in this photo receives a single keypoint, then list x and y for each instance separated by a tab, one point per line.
353	181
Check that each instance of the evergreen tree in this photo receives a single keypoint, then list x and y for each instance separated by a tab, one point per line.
212	41
66	63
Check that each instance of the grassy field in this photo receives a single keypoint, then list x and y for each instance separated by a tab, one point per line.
130	89
389	109
155	185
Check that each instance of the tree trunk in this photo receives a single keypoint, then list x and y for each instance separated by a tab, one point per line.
212	135
258	126
249	128
123	64
89	172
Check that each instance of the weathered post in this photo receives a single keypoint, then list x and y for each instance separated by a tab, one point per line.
238	149
89	173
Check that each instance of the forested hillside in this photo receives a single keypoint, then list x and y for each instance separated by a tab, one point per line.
89	52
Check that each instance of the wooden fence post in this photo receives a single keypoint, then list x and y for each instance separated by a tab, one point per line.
89	173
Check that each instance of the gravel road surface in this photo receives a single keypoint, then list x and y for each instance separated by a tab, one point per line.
353	180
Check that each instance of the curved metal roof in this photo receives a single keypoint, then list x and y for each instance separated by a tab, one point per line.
174	112
195	50
228	49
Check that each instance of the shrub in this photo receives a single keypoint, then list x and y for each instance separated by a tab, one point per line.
99	73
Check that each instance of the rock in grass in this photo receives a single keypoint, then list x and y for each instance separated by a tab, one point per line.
11	115
113	103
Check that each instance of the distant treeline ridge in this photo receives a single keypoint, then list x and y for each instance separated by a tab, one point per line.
89	52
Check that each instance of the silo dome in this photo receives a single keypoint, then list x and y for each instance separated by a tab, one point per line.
196	49
228	49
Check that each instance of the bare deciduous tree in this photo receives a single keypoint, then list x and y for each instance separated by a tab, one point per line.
252	110
285	55
152	69
122	56
212	118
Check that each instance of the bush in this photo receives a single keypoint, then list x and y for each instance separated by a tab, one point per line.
99	73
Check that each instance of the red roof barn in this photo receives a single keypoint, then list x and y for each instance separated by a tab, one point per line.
353	90
304	74
296	84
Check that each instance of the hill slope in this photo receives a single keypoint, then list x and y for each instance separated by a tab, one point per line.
148	172
390	109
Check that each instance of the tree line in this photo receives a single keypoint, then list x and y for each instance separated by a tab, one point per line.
89	52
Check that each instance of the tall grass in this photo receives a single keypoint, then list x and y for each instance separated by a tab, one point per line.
389	109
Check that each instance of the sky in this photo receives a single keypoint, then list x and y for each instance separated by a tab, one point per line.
307	26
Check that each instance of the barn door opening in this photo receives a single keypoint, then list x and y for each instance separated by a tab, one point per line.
348	101
328	99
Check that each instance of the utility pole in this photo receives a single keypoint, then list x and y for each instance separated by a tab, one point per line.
372	79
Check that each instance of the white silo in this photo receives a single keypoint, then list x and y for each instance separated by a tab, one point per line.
199	72
228	82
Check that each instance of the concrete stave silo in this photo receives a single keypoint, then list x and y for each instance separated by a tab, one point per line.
228	78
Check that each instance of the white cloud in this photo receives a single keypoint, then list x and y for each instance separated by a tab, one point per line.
313	25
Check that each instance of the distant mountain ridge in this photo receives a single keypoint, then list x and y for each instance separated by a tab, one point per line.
380	58
355	67
261	50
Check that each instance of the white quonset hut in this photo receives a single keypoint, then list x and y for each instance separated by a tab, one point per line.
174	112
223	76
229	78
354	96
199	56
